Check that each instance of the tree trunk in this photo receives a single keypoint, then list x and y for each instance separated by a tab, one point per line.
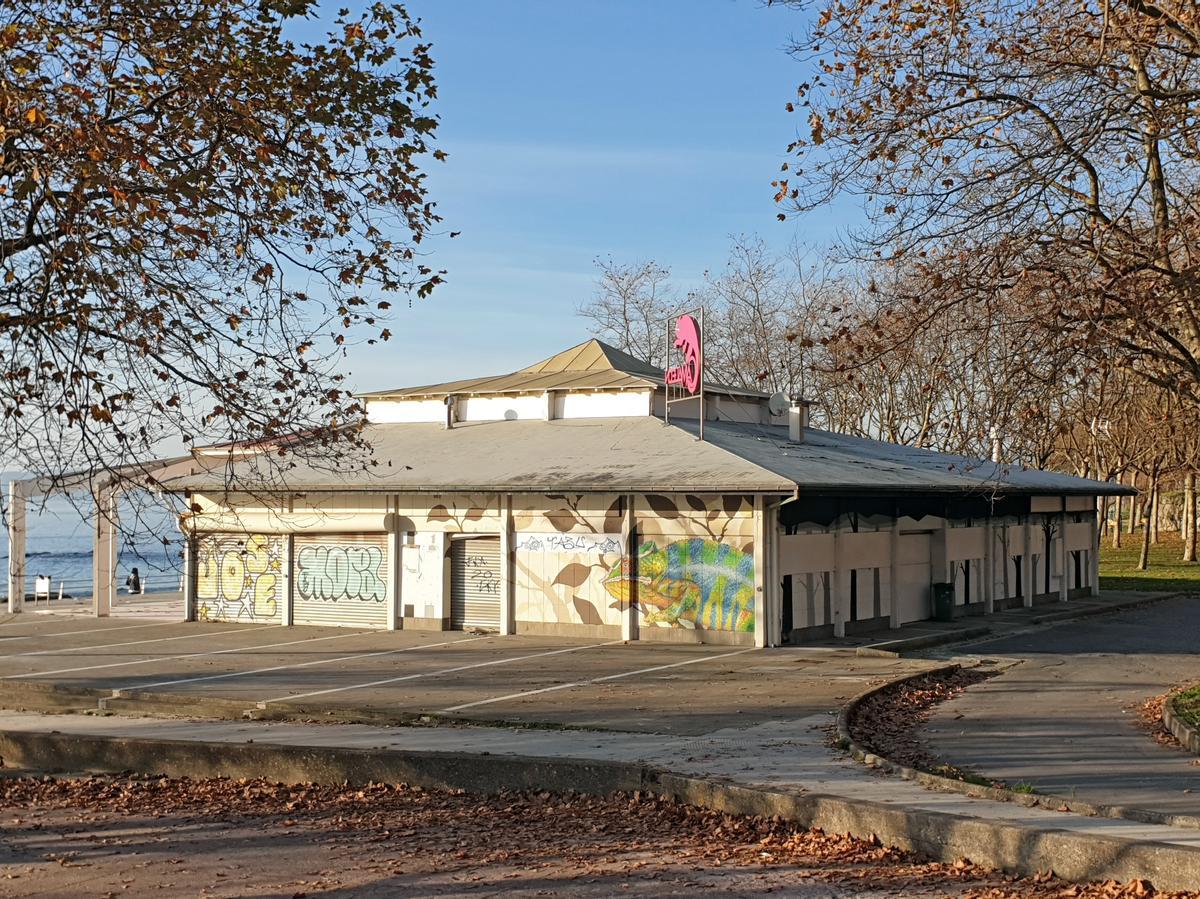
1153	503
1131	523
1151	509
1189	517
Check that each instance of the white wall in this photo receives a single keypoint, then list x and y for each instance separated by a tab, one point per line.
386	412
602	405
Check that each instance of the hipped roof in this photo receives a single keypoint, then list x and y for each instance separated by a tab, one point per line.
591	365
642	454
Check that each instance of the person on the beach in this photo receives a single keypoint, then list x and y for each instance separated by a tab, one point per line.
133	583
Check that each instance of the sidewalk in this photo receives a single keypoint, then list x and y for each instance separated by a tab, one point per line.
781	767
922	635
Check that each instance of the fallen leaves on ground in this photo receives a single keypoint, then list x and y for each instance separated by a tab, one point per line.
417	841
889	723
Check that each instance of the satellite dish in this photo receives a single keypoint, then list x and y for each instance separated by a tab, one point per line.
778	404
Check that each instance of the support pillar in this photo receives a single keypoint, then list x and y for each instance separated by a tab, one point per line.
189	577
16	545
395	577
774	581
1094	560
1063	580
841	582
989	567
629	539
104	551
287	589
760	572
508	567
894	576
1027	563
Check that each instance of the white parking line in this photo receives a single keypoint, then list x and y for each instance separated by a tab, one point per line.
361	655
47	652
594	680
191	655
94	630
396	680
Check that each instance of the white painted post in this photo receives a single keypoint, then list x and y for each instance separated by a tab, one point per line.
1063	580
16	546
629	619
760	574
287	589
189	577
894	576
989	567
395	577
841	583
104	550
775	591
1027	559
508	567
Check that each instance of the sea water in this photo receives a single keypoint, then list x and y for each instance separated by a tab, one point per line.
58	543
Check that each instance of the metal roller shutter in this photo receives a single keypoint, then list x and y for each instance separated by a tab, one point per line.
239	578
475	583
340	580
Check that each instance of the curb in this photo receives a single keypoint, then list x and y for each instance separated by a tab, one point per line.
1012	847
894	649
1048	801
1187	735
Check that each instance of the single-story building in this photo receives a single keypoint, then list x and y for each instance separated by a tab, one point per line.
559	500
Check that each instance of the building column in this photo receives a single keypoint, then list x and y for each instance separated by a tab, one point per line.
1063	580
508	567
395	578
1027	559
1094	558
894	576
629	539
841	583
760	574
16	545
989	567
287	590
189	577
104	550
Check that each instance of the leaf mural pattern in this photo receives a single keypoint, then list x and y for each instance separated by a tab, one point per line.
573	575
586	611
662	506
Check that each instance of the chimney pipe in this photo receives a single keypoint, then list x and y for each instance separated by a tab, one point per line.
797	419
996	451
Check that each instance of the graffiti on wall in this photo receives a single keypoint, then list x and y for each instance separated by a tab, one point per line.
690	583
564	543
238	577
331	572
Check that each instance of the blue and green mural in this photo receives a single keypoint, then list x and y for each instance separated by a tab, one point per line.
696	582
330	572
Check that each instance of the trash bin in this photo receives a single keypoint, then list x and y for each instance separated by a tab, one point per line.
943	601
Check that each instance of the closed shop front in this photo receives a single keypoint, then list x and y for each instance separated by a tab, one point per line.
475	580
340	580
240	577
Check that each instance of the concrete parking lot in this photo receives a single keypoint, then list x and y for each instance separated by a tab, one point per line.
263	670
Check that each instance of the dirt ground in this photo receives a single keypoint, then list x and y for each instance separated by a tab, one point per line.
162	837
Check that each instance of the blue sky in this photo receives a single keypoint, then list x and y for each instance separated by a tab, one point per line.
574	130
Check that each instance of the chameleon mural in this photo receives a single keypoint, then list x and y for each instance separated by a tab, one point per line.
690	583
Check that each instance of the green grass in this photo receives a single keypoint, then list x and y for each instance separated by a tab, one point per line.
1024	787
1118	567
1187	705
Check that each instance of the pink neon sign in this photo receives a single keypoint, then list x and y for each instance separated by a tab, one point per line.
687	341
